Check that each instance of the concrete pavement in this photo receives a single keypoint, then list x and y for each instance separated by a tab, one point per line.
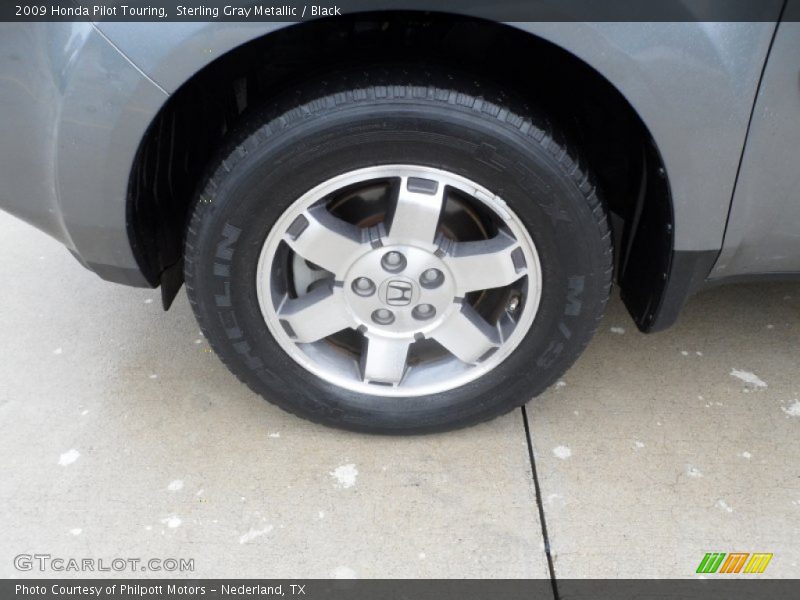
657	449
124	436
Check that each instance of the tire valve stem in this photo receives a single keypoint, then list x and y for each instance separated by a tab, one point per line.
513	303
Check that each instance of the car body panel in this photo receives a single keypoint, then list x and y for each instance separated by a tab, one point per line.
78	98
30	101
763	234
692	84
74	113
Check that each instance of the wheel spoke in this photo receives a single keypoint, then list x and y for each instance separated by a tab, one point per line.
417	207
487	264
467	335
316	315
324	240
384	360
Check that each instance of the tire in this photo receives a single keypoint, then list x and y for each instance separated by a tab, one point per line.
392	117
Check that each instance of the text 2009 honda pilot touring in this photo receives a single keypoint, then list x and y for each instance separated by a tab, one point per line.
408	221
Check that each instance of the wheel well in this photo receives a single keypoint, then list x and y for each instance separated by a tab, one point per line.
592	113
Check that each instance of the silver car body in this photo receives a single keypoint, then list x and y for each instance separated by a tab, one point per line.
720	100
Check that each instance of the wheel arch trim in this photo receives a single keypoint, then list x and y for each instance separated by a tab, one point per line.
662	89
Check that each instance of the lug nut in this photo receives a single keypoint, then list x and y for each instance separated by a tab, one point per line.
393	259
363	287
431	278
394	262
383	316
423	312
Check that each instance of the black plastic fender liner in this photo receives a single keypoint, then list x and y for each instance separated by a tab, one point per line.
688	274
171	284
655	279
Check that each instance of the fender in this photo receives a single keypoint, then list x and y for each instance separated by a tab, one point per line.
692	85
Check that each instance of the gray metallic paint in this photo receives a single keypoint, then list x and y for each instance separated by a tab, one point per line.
77	99
74	110
763	234
692	84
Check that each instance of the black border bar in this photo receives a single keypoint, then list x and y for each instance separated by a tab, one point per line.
153	11
715	588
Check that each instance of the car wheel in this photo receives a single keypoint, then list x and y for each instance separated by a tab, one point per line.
398	253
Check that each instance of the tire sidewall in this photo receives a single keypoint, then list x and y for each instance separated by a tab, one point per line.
273	168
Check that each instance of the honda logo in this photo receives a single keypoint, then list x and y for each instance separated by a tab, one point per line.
399	293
